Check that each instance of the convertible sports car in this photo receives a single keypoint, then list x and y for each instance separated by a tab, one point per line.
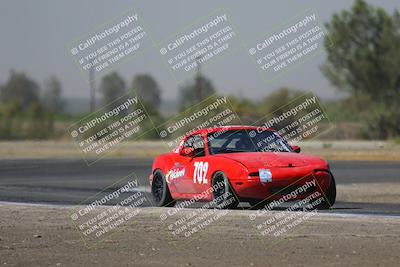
253	164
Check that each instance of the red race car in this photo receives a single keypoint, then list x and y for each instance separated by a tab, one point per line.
254	164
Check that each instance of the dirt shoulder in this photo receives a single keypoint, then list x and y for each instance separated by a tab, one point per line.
45	236
330	150
369	193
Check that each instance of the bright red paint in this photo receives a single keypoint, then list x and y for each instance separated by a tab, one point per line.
287	168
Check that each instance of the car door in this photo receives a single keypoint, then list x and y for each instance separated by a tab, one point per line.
196	178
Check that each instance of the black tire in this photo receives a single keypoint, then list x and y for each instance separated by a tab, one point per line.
329	197
160	191
223	196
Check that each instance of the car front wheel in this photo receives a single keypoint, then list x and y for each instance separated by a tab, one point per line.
329	196
160	191
223	195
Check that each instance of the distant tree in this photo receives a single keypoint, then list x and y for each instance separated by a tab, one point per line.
19	89
112	86
280	101
244	108
365	62
365	57
148	90
189	93
8	112
277	100
51	99
38	129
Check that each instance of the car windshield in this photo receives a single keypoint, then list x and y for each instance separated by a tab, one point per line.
234	141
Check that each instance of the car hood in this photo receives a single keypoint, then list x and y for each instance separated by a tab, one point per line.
273	159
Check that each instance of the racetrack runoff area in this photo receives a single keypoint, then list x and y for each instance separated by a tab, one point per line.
38	235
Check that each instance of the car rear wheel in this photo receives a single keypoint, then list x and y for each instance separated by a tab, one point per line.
329	196
223	195
160	191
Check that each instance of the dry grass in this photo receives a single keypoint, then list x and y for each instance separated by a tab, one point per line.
331	150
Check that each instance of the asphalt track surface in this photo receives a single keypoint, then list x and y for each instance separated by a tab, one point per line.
71	181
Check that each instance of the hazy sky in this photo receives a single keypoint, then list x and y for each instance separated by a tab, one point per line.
34	35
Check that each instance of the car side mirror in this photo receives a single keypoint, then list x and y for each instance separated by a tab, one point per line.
187	152
296	149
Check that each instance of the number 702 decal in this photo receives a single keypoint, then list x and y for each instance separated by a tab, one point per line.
200	172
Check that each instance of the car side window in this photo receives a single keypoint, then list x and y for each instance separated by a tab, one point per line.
197	143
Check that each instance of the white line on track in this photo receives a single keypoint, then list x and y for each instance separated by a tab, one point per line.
320	214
